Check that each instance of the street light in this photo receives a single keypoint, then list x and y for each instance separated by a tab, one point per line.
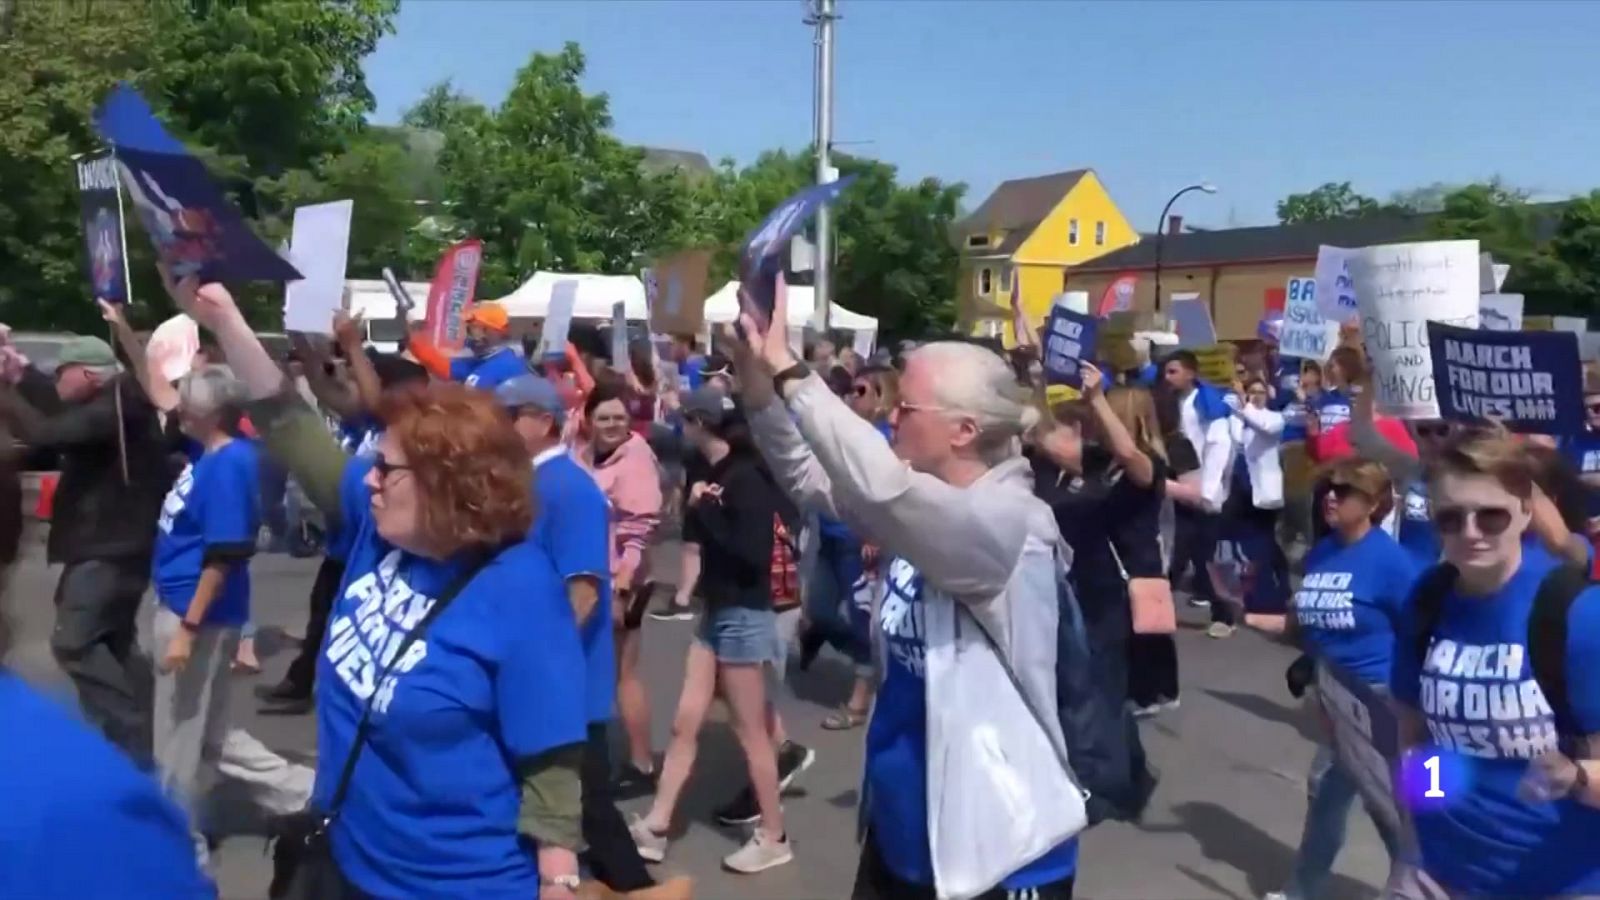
1161	229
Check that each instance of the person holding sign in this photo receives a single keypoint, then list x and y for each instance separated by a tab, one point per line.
494	356
1346	611
1496	670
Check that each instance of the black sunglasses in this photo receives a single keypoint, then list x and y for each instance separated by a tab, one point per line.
383	467
1492	520
1343	491
1433	430
860	390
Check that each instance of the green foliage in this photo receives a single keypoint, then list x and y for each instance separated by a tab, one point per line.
1334	200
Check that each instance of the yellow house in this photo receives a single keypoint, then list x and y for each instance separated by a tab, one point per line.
1031	230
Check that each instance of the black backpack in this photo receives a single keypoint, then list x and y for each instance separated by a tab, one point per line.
1547	631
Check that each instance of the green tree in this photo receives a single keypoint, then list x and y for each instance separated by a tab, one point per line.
1571	259
1334	200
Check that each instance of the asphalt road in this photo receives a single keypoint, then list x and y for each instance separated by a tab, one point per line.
1225	820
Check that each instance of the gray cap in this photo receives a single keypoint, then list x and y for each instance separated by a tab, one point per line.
83	350
533	391
708	404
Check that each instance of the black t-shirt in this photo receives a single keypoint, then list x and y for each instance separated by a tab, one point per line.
735	533
1181	456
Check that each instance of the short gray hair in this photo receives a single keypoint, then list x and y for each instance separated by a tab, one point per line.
974	381
212	389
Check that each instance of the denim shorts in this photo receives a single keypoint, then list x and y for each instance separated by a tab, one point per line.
739	635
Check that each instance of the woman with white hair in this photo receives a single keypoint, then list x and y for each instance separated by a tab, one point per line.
967	627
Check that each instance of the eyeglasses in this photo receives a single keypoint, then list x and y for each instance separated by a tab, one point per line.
860	390
1432	429
383	467
1342	491
1492	521
1593	407
904	407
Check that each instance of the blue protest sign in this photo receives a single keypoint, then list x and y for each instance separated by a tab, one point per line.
101	208
1191	319
196	231
762	257
1069	340
1530	381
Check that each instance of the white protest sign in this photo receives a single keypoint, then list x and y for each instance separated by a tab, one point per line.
1400	288
1306	334
558	319
319	246
1336	292
862	343
1500	273
1076	301
1589	346
1574	324
619	336
1500	312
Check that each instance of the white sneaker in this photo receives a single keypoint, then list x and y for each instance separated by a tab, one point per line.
759	854
1220	630
652	846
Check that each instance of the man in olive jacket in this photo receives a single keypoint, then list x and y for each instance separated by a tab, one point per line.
102	528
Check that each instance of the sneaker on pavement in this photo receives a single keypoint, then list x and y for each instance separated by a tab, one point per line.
1220	630
652	846
793	759
672	611
632	781
1199	602
759	854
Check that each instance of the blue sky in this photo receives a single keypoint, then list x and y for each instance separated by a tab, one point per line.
1262	98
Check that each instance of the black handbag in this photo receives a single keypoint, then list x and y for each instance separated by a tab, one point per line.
302	860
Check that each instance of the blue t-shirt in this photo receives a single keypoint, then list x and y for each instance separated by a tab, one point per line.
213	507
1417	532
1583	451
1486	718
432	808
573	527
897	749
1333	408
1350	602
78	819
490	371
1286	401
692	371
359	438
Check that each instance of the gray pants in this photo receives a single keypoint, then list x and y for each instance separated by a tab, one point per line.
95	643
191	730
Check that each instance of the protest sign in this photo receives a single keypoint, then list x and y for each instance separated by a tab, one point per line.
761	260
1538	323
195	230
1216	364
619	336
675	292
1573	324
100	200
1114	343
1336	290
1077	301
558	318
1500	312
1306	333
454	285
172	346
862	342
1399	289
1589	346
1191	320
319	245
1529	381
1365	734
1069	341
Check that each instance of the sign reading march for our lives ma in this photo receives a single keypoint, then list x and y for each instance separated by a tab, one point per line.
1069	340
1530	381
1400	288
761	261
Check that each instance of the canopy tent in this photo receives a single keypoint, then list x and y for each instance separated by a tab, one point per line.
596	294
371	299
723	306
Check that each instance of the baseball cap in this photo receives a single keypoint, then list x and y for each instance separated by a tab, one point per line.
709	405
83	350
532	391
490	315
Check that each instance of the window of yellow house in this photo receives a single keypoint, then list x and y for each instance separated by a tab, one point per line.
1072	232
1099	234
978	240
985	282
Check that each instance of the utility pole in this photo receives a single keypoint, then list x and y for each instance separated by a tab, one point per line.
822	18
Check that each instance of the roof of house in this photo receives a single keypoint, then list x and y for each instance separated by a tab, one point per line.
1022	203
661	160
1259	244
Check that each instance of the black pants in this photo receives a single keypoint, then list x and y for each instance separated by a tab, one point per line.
612	855
874	881
303	670
1152	669
1195	544
96	644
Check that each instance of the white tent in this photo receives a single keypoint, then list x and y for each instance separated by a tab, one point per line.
596	294
723	306
371	299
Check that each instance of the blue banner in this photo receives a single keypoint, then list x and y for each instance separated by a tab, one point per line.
102	228
195	230
1530	381
1069	341
762	257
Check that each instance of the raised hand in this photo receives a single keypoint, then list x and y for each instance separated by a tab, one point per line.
1093	380
210	305
112	313
347	328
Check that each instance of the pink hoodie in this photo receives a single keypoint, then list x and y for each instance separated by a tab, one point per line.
632	484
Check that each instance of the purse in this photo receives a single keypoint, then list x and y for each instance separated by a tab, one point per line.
1149	601
302	859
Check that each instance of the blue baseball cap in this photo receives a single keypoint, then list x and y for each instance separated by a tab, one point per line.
525	391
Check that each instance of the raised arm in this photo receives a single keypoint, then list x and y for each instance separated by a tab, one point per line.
369	388
1366	440
162	395
1134	461
1265	421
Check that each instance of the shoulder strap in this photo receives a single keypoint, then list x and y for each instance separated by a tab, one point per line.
1547	640
1427	601
364	727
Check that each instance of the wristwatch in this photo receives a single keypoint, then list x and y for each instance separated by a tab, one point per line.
796	372
570	882
189	626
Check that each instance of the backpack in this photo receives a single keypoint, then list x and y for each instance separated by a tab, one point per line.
1547	631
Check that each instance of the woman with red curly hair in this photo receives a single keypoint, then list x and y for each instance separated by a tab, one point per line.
451	657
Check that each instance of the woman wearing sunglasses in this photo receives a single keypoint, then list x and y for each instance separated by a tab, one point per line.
452	670
1347	610
1465	680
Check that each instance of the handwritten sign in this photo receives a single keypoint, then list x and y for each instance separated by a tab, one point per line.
1529	381
1400	288
1307	334
1191	319
1366	735
1336	290
1500	312
675	292
1216	364
558	318
1067	335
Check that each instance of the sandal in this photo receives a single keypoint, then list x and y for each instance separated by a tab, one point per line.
844	719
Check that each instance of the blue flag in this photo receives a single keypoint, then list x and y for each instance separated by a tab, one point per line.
1069	341
762	257
195	230
1531	381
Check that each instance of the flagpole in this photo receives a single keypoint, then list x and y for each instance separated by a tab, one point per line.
127	290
